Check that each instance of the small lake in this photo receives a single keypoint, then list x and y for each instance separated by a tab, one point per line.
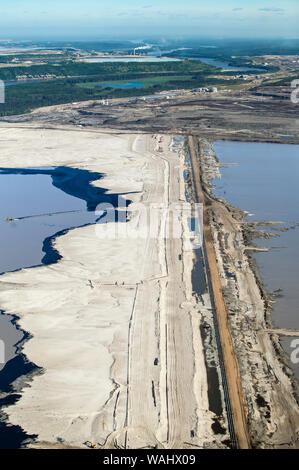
224	65
23	82
37	205
119	85
263	180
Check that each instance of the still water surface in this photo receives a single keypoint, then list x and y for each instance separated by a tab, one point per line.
35	205
225	66
264	182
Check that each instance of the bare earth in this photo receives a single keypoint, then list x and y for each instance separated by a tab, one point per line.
114	324
270	389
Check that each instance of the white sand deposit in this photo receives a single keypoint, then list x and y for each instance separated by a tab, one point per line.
114	324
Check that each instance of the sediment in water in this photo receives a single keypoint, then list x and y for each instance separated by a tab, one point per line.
270	388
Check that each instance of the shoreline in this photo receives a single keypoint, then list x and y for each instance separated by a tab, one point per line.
22	370
14	384
251	233
51	257
233	219
230	373
105	304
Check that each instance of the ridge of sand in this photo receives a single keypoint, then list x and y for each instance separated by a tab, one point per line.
114	323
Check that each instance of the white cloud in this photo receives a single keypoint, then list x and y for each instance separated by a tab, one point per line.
275	10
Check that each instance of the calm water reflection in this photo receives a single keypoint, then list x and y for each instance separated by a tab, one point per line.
265	183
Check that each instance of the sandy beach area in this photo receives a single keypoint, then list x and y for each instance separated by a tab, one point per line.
114	324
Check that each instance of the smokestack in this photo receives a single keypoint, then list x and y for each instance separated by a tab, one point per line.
141	47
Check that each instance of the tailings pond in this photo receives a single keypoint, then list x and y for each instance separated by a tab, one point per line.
36	205
262	179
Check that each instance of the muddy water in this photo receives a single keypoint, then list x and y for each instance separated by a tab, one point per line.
262	179
34	203
35	206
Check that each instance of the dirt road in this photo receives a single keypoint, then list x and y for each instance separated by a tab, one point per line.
229	356
124	365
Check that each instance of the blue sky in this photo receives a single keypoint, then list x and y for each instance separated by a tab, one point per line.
96	18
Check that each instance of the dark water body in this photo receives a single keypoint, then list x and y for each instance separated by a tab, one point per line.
23	82
45	202
119	85
224	65
200	287
198	274
264	182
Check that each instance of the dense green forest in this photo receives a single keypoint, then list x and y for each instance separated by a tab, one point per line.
26	97
66	81
116	69
69	81
23	98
